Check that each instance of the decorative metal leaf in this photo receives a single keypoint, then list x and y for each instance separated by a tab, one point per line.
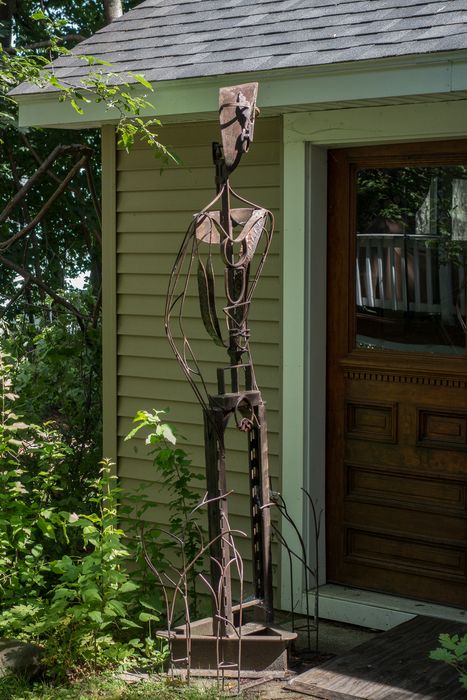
207	302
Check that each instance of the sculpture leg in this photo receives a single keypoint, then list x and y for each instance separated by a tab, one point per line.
261	517
220	551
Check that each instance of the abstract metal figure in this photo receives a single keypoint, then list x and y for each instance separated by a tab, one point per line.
236	240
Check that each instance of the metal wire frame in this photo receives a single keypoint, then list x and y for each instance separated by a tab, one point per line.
174	586
278	501
236	310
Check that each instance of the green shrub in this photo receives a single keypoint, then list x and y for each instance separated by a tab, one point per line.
55	368
32	530
85	609
94	606
64	582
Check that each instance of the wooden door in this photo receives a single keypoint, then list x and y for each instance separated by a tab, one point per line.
397	370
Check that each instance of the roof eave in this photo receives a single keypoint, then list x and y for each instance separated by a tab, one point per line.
283	90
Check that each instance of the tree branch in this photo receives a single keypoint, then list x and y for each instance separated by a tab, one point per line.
67	39
96	310
94	197
5	245
57	151
37	157
32	279
76	191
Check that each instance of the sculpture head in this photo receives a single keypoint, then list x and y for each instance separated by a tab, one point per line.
237	113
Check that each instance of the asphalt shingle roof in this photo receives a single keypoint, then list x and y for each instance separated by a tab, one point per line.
173	39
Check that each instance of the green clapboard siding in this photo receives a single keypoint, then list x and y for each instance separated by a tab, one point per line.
154	208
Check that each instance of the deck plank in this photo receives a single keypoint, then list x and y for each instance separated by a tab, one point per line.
392	666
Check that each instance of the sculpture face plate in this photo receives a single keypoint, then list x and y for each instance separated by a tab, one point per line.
237	111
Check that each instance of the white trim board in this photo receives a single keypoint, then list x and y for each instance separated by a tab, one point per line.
363	126
376	610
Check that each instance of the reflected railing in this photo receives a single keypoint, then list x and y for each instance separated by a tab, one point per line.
402	272
405	279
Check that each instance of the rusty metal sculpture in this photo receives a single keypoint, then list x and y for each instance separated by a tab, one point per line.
230	243
242	236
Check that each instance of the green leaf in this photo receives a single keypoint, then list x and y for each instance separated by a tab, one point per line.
101	62
166	431
47	528
76	107
141	79
129	587
133	432
96	616
114	607
449	642
442	655
129	623
39	15
91	595
147	617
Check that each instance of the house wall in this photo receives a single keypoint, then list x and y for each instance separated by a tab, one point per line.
154	206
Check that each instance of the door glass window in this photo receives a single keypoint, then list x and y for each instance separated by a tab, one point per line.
411	254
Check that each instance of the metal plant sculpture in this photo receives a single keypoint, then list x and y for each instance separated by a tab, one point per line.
227	655
310	572
239	239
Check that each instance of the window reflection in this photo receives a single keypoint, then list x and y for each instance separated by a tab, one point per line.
411	259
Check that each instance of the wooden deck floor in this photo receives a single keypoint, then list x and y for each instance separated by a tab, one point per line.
394	665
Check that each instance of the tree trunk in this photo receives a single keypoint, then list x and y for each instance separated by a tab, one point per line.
112	9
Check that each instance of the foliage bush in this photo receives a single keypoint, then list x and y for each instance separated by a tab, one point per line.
55	370
31	528
64	582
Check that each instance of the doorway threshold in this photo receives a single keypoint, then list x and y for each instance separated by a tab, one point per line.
374	610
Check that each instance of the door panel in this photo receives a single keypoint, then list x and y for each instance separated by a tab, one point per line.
397	370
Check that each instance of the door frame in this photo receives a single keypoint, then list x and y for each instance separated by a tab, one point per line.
306	139
342	354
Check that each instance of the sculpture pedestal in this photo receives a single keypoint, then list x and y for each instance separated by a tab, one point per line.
260	648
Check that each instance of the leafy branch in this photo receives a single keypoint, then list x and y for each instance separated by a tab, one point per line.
116	91
174	467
